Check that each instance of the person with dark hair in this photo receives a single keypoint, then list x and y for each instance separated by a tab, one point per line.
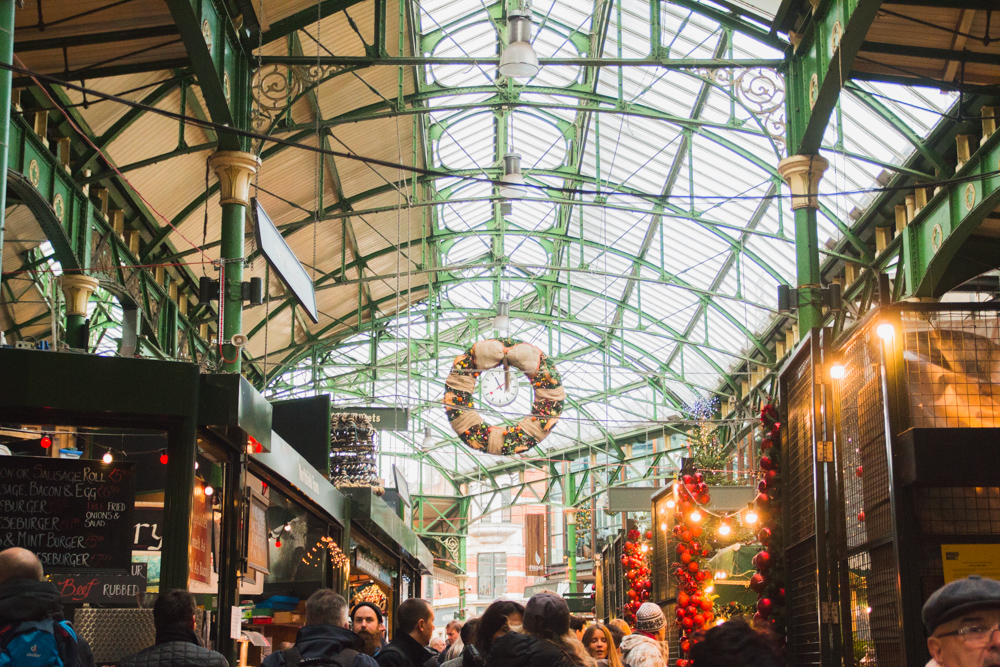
500	617
366	621
736	644
470	656
26	599
548	641
414	629
324	636
619	624
577	624
176	644
616	635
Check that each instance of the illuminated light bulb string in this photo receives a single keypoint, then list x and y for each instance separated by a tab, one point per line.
372	594
694	582
325	544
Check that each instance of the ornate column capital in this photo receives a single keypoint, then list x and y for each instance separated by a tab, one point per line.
78	289
803	174
235	170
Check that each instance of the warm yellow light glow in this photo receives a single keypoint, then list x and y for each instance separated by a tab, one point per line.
671	504
885	331
721	574
724	529
663	526
209	490
696	516
868	610
720	621
751	517
645	548
837	370
107	457
710	588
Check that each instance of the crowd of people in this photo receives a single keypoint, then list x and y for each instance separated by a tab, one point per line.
962	621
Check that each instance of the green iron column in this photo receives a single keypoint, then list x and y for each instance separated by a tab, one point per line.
571	532
803	174
182	448
77	288
236	171
7	56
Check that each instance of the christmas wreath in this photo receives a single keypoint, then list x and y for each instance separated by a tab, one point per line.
546	406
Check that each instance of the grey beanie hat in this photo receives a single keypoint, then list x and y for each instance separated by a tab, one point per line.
649	618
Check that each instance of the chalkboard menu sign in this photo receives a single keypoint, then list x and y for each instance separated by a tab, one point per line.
74	514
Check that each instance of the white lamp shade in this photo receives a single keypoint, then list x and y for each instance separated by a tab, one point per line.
519	61
512	186
501	324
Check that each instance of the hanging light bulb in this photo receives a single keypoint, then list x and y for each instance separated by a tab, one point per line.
751	517
837	370
163	456
107	457
512	182
519	59
288	527
46	442
671	504
885	331
724	529
696	516
428	439
501	323
209	490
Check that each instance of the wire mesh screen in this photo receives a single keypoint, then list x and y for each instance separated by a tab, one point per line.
800	554
861	447
115	633
958	510
614	591
798	479
952	368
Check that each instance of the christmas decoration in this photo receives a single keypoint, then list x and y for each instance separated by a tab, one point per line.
337	557
546	406
636	568
695	610
370	593
354	452
768	582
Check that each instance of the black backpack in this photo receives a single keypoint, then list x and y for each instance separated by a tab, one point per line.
343	659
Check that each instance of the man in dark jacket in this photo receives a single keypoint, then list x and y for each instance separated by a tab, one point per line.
176	643
26	596
325	635
414	629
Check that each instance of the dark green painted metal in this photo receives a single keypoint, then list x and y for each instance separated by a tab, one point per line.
230	401
288	464
492	61
7	58
941	233
807	270
371	512
96	38
305	18
231	300
231	550
220	65
817	69
182	450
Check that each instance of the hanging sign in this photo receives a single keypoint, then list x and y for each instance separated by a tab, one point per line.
372	567
75	514
257	551
101	588
534	544
961	560
200	544
382	419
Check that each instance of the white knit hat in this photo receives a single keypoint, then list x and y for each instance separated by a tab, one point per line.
649	618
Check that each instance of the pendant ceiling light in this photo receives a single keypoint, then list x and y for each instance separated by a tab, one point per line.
501	323
428	439
518	59
512	183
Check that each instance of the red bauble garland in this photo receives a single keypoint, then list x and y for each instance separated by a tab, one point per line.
636	574
768	582
694	607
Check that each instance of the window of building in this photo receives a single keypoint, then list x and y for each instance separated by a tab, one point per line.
491	572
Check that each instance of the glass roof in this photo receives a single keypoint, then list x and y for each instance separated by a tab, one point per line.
646	307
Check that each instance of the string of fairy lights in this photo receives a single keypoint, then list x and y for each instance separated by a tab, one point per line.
326	544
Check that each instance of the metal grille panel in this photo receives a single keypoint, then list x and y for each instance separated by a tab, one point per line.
798	477
952	368
803	631
960	510
861	448
115	633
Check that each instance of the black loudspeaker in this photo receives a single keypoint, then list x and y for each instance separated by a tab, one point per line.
208	290
253	291
784	299
834	294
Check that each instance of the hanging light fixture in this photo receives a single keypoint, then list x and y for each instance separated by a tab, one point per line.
512	183
428	439
519	59
501	323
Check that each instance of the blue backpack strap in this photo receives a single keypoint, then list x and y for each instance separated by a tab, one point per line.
66	639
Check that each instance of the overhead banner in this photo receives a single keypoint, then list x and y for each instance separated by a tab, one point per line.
534	544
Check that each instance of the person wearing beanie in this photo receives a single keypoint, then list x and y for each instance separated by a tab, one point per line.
646	646
547	640
963	623
366	621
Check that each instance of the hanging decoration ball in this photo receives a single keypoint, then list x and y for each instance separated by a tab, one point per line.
277	543
765	607
163	456
696	531
766	463
649	534
761	486
770	476
762	560
780	595
763	499
757	583
860	471
764	536
766	444
861	515
45	442
687	479
546	405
